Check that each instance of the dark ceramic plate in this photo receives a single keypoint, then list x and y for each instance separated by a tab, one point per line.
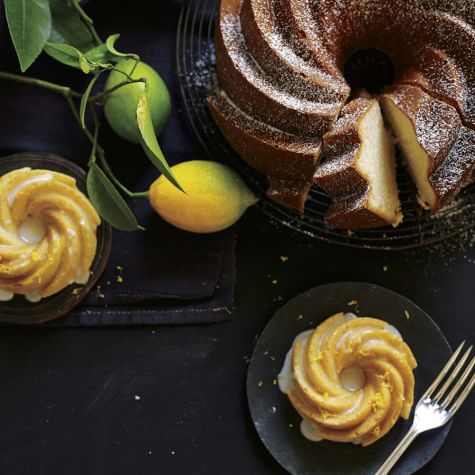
19	310
278	423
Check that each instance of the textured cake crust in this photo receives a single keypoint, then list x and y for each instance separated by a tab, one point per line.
448	144
286	160
340	176
254	92
266	43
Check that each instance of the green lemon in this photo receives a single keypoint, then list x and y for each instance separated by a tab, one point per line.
215	197
120	106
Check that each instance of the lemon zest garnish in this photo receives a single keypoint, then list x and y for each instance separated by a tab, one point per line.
401	357
318	356
385	381
35	256
377	401
325	414
326	395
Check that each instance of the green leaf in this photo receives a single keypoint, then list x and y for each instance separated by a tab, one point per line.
65	54
110	44
85	98
71	56
108	201
149	141
86	68
29	22
99	55
68	27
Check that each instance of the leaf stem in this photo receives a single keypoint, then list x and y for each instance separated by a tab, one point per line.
64	90
103	161
101	95
99	152
87	21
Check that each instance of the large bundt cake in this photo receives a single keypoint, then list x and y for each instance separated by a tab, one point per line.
286	71
350	379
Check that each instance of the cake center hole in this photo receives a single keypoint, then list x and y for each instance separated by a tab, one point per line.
369	69
352	378
32	230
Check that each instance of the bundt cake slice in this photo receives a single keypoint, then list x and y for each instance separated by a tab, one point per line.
287	160
438	149
359	169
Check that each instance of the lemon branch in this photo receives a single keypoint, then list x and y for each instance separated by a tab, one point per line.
51	86
87	20
70	95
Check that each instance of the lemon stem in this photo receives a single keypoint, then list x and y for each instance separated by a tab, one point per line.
101	95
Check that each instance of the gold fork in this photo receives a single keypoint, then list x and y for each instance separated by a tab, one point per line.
435	409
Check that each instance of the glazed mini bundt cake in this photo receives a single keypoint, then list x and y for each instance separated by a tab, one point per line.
47	234
350	379
283	85
359	171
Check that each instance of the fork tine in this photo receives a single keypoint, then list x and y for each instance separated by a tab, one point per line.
444	371
462	397
452	376
459	383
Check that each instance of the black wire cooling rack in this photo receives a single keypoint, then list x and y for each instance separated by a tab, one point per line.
196	62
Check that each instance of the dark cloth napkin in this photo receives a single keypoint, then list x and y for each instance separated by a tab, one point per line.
162	275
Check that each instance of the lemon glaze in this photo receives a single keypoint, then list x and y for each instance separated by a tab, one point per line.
47	234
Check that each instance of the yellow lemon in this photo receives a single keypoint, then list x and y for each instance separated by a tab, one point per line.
215	197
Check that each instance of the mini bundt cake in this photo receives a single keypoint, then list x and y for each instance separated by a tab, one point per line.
359	171
47	234
350	379
283	84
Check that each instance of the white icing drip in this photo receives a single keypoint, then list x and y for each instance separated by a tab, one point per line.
392	329
352	378
285	376
309	430
33	297
32	230
30	181
6	295
82	278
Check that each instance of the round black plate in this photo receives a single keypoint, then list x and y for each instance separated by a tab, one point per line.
18	310
278	423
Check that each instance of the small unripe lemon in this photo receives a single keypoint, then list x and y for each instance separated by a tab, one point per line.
121	105
215	197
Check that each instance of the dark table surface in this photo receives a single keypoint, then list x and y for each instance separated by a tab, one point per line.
171	400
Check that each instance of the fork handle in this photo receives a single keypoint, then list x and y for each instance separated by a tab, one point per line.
397	452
